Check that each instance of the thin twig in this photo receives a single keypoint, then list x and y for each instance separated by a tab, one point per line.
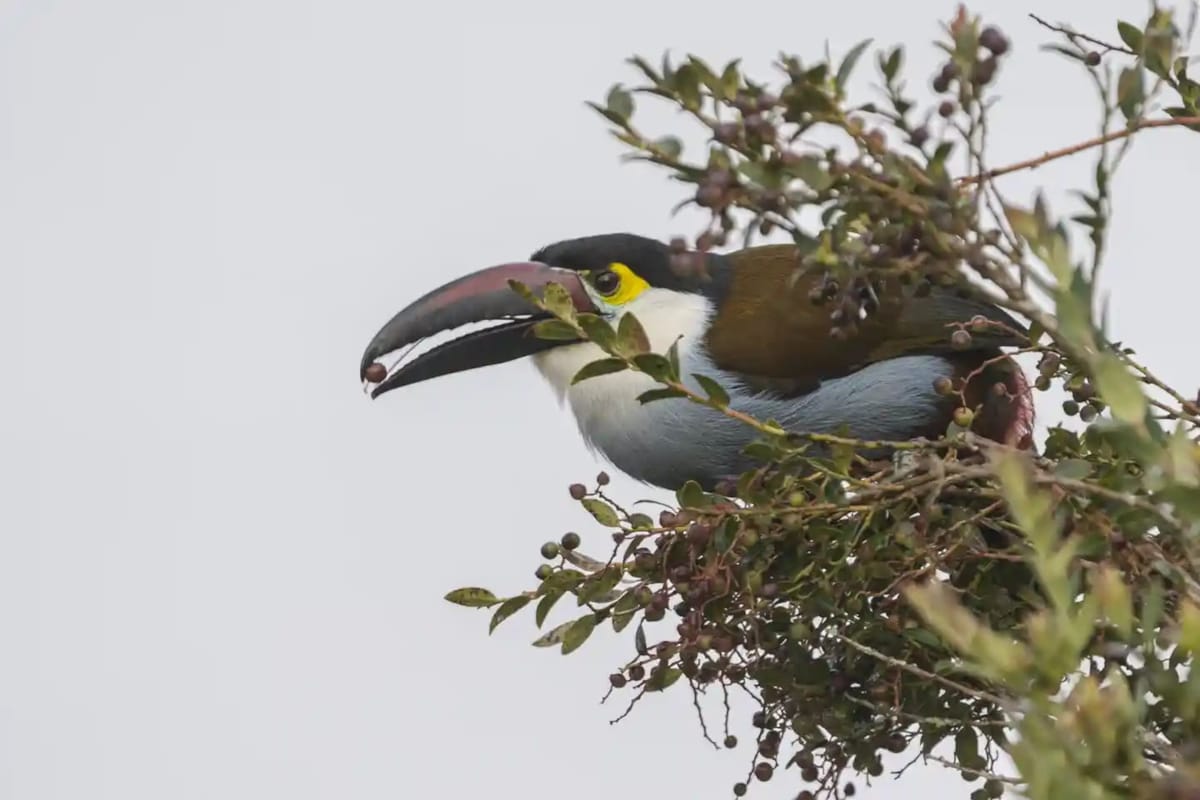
1073	35
979	773
1033	163
978	694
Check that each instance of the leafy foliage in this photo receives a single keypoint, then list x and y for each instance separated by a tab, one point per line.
963	592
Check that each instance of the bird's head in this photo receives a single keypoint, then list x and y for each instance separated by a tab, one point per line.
607	274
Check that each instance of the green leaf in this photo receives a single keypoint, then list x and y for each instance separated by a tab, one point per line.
509	607
891	67
602	511
560	579
654	365
1131	35
847	65
713	389
619	102
1131	92
597	368
555	329
624	610
966	749
545	604
659	394
1115	599
1073	468
631	336
597	329
731	79
599	584
673	356
690	495
661	678
1189	628
669	146
472	597
1120	390
687	88
578	633
582	561
553	636
639	640
641	521
725	535
558	301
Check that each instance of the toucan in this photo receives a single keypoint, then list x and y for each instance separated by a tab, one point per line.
747	320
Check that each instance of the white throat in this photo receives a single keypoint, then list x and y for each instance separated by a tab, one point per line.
606	407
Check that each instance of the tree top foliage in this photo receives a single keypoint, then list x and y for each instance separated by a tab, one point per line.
964	599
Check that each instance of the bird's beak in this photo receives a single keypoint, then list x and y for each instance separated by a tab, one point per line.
479	297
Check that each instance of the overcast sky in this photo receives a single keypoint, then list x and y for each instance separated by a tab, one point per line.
221	567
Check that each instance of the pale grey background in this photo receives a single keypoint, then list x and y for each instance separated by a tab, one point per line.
221	568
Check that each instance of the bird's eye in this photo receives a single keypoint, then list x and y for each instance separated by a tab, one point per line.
606	282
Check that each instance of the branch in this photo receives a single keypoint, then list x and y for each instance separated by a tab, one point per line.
1073	35
1033	163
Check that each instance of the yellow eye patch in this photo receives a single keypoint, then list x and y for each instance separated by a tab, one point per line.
628	287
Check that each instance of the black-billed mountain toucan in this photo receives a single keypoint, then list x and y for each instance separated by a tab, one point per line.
747	322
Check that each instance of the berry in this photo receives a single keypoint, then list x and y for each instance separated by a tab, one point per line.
739	789
730	741
919	136
726	132
763	771
1049	363
984	71
578	491
1085	392
544	571
603	479
709	196
617	680
992	39
550	550
637	672
944	386
1070	408
960	340
375	373
1092	59
946	108
963	417
570	541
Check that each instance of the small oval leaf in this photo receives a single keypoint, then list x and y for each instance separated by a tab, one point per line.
472	597
631	336
553	636
509	607
545	604
577	633
602	511
555	330
595	369
714	390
